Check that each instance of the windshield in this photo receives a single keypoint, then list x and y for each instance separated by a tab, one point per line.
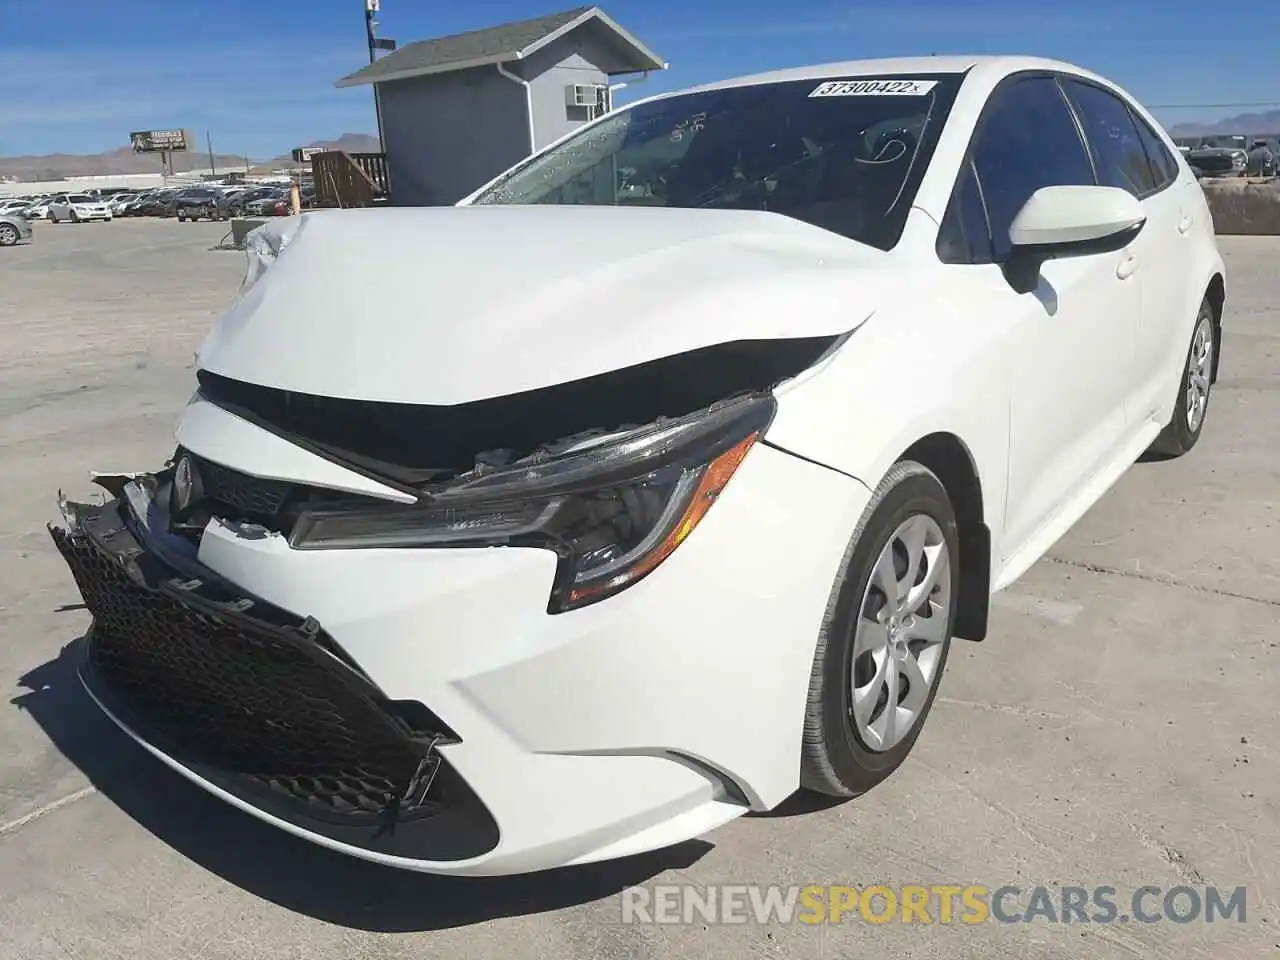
846	155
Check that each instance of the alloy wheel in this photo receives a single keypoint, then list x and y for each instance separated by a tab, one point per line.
1199	372
8	235
900	635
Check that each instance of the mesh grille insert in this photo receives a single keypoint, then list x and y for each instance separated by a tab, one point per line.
247	696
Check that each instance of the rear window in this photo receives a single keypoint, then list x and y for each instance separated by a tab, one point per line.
82	198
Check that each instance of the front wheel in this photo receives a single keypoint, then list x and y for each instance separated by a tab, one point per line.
1192	406
8	234
53	218
884	641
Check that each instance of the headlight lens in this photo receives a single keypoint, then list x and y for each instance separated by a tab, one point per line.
612	508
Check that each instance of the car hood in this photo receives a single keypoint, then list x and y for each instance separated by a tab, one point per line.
454	304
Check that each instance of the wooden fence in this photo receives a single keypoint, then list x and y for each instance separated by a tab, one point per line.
349	179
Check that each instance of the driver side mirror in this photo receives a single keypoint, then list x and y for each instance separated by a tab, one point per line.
1069	221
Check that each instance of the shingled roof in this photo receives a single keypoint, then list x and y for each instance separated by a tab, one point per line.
508	41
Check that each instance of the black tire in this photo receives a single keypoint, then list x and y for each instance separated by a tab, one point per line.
52	217
8	235
834	760
181	218
1178	436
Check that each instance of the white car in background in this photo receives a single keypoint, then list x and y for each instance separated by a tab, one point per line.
487	569
36	210
78	208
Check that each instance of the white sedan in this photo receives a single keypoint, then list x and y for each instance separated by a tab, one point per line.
78	208
613	511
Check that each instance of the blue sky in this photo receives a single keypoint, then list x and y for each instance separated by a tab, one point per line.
77	75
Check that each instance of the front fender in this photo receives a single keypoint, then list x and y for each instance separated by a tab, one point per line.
895	381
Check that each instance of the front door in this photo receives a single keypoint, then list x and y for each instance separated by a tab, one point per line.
1071	342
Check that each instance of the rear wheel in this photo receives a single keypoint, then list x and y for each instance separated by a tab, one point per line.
884	641
1192	405
8	234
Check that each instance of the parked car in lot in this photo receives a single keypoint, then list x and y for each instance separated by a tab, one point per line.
121	202
1220	156
159	204
201	203
13	228
265	205
78	208
14	204
254	200
878	334
39	210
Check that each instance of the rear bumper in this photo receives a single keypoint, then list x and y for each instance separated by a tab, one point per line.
629	725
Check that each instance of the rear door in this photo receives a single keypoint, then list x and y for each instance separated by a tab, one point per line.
1129	155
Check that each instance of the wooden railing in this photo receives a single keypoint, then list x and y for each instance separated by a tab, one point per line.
349	179
375	167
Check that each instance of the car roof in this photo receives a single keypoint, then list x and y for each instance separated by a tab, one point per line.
995	66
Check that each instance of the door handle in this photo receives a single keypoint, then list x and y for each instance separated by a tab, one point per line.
1127	267
1184	224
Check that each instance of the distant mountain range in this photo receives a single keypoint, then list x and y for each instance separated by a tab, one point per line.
56	166
1249	124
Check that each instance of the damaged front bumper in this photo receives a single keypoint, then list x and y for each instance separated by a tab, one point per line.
257	702
420	708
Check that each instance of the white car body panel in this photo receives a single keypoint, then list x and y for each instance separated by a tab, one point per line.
632	286
678	703
227	439
612	778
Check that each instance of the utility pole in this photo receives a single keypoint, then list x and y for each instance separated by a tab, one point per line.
208	142
371	8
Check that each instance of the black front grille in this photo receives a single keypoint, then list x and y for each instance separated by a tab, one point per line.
247	495
222	679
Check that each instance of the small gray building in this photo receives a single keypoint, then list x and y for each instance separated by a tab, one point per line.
457	111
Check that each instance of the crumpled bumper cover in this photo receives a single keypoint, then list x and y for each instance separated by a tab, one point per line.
260	703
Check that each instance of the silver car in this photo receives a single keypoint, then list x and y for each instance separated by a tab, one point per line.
13	228
79	207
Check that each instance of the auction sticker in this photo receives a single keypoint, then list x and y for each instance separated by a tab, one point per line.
874	88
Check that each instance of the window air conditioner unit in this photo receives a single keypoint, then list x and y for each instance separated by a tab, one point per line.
582	95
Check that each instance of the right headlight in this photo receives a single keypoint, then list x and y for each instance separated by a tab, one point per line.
613	508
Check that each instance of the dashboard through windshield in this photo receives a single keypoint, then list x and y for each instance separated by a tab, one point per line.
845	154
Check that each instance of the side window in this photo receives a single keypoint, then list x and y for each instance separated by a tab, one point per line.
1118	153
1027	140
964	236
1161	157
